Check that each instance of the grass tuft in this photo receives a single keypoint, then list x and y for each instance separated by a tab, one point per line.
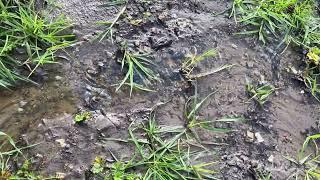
160	158
27	40
136	65
288	20
308	163
260	93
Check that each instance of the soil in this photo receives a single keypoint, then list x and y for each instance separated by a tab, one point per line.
174	29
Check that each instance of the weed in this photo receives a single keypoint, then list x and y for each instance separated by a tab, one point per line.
309	164
314	55
79	118
136	64
312	72
110	25
260	93
192	60
34	37
98	165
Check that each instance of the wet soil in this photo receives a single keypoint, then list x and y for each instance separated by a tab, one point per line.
172	30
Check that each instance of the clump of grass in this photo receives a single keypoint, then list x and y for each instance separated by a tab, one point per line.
27	40
264	175
157	157
308	163
192	60
137	66
260	93
289	20
192	108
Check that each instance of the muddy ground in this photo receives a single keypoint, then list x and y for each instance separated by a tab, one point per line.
85	82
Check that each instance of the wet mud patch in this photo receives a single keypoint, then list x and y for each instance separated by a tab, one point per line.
172	30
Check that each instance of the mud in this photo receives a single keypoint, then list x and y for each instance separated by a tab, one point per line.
174	29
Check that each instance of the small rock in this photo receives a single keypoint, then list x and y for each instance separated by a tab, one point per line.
58	78
62	142
39	155
22	103
259	137
234	46
271	158
294	71
60	175
69	166
250	136
250	64
254	163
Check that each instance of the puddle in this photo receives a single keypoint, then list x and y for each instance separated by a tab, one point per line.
22	110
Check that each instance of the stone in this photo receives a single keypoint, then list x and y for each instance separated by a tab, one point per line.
61	142
250	64
234	46
22	103
58	78
259	137
249	136
271	158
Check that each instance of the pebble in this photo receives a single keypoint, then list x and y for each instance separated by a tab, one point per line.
22	103
250	136
58	78
271	158
250	64
259	137
62	142
60	175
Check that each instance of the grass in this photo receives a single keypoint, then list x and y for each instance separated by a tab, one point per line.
193	60
115	2
9	151
137	67
159	156
260	93
288	20
28	40
264	176
192	108
308	164
110	24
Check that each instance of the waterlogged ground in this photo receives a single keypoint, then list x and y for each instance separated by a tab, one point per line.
173	29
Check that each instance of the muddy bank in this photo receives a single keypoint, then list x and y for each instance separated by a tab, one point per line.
171	31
